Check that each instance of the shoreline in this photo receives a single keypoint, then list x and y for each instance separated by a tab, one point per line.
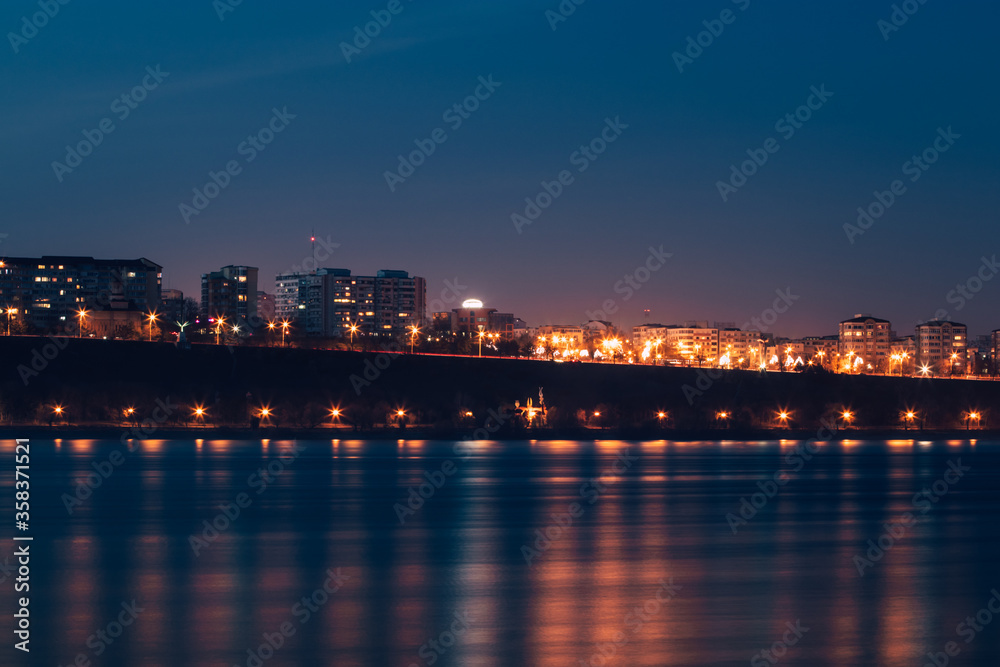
72	432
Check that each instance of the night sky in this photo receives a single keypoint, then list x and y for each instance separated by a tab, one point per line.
656	184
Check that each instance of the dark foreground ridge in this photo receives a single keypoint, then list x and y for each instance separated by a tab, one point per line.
95	380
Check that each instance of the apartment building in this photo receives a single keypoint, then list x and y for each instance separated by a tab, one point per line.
49	291
943	346
866	338
230	292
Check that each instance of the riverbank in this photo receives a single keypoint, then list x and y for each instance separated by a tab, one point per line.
72	432
93	382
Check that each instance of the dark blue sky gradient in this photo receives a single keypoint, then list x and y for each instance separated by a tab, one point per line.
655	185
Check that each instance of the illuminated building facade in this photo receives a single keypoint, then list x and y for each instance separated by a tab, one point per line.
868	338
943	346
49	291
327	302
230	292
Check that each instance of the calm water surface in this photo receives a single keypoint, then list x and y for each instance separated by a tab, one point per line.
633	560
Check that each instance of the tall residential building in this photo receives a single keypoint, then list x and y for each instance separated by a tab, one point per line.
738	344
171	305
50	290
265	306
696	342
231	292
649	333
943	345
327	302
868	338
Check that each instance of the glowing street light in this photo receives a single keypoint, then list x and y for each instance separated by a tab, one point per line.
925	370
847	416
152	317
972	417
414	330
784	416
82	313
909	416
482	334
353	328
284	329
219	323
10	311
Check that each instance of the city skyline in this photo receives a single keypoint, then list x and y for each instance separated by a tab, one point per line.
672	171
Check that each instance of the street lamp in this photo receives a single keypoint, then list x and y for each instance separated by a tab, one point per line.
972	417
82	313
219	323
848	417
481	335
784	416
353	329
414	330
910	416
284	330
152	318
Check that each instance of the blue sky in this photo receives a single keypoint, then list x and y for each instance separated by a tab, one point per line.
655	185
